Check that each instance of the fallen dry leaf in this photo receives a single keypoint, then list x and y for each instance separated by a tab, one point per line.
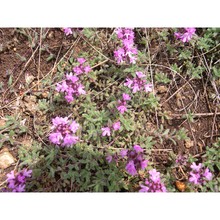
181	186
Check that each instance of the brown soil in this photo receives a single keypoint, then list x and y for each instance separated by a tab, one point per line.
12	43
193	96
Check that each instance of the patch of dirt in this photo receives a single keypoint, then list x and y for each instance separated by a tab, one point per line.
22	56
31	52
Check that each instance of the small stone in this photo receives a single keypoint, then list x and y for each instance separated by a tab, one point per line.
162	89
193	129
29	78
30	98
51	35
189	143
2	123
6	159
45	95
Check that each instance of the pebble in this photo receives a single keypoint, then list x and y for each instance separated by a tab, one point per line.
6	159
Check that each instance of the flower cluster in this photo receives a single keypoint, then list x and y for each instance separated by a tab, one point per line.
67	31
138	83
82	67
16	183
71	87
199	175
128	51
106	131
135	159
186	36
122	104
153	183
64	132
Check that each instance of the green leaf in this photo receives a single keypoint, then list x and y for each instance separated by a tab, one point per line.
216	72
71	60
10	80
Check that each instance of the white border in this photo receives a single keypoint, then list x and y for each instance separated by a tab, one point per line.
109	206
114	13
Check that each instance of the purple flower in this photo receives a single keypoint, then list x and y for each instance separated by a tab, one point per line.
119	33
140	75
143	188
127	52
187	36
126	97
122	109
69	98
74	126
87	69
59	121
63	132
72	78
144	164
16	183
191	30
199	174
106	131
207	174
27	173
109	158
81	90
123	153
132	59
62	87
148	87
130	167
10	175
128	83
138	83
194	178
82	67
138	148
119	55
154	176
69	140
19	188
71	87
135	158
122	104
116	126
56	138
11	184
77	70
81	60
21	178
153	183
136	88
196	167
67	31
